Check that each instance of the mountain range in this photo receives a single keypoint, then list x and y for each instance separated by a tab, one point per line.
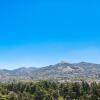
62	71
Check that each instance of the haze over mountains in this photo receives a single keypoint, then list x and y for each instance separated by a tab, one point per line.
60	71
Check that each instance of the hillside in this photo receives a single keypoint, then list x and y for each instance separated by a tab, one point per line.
59	71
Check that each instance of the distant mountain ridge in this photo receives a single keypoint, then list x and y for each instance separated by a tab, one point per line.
59	71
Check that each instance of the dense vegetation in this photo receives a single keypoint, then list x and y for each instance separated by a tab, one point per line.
46	90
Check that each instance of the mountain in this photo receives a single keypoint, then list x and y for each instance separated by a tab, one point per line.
59	71
22	73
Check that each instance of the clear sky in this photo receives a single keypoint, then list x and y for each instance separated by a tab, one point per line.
42	32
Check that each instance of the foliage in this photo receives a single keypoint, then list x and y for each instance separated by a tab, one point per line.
46	90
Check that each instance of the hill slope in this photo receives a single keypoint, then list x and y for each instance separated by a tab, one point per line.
59	71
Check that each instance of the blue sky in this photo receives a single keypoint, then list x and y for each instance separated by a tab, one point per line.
42	32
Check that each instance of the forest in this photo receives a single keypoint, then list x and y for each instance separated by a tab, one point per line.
49	90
